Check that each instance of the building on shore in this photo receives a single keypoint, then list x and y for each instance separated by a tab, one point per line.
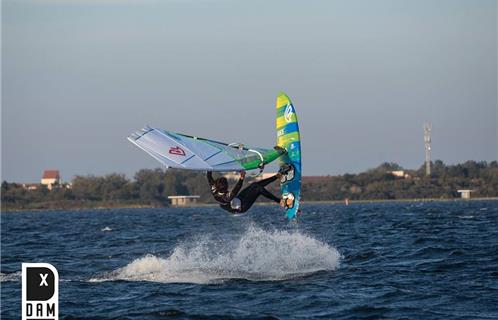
465	193
183	201
51	178
399	174
30	186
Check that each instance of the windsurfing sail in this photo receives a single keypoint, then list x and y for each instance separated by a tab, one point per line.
175	150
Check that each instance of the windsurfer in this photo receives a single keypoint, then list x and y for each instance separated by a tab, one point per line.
235	202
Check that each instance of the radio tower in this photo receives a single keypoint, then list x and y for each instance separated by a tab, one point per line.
427	143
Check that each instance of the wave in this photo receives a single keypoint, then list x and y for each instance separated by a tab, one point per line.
10	276
257	255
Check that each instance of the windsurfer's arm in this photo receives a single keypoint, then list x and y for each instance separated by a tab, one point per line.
237	187
210	178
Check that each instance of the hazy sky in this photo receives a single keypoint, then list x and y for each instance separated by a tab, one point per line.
78	76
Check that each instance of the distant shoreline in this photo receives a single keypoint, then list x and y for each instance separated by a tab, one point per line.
199	205
150	188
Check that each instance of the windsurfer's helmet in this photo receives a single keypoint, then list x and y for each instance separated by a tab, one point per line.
221	184
236	204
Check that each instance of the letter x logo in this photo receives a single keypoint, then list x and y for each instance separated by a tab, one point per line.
43	279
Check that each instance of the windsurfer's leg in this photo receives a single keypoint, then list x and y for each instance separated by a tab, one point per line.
269	195
248	196
267	181
283	170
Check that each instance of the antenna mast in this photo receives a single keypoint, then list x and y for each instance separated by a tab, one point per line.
427	143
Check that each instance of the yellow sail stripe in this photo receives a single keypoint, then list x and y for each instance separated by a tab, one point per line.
282	100
283	140
281	121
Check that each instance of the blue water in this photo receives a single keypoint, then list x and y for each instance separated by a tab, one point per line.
432	260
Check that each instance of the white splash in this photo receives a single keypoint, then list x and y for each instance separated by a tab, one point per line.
106	229
258	255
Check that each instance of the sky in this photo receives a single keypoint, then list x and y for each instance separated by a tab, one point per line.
79	76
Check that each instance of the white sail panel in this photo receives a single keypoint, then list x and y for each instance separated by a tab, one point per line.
176	150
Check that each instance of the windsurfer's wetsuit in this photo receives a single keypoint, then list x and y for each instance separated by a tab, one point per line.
224	198
247	196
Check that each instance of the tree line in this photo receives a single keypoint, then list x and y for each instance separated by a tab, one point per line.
151	187
379	183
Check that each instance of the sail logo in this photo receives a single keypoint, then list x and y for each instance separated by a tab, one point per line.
177	151
40	291
289	111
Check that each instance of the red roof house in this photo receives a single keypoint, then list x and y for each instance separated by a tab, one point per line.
50	177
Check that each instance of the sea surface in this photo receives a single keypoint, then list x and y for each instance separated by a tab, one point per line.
414	260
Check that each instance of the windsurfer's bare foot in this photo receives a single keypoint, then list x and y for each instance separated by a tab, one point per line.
284	169
286	202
